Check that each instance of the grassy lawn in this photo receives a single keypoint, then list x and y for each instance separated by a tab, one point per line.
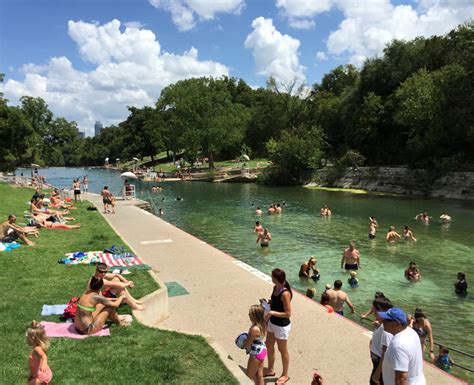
260	162
31	277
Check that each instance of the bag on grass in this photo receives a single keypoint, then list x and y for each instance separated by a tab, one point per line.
70	311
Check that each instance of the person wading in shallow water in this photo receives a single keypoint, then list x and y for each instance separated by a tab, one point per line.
351	258
264	237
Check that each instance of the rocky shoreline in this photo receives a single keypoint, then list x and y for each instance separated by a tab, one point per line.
398	180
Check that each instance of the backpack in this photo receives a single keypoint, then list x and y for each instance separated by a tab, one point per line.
70	311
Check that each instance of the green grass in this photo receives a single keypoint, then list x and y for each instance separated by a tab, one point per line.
260	162
31	277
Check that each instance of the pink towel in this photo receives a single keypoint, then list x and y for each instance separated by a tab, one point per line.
67	330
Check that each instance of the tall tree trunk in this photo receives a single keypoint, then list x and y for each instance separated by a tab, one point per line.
211	161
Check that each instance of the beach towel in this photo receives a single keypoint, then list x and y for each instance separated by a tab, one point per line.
53	309
125	260
67	330
9	246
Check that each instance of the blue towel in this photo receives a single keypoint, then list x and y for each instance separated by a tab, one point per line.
53	309
11	246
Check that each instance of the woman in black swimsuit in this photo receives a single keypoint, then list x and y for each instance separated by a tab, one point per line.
279	324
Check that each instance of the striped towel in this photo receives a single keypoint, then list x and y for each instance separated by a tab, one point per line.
109	259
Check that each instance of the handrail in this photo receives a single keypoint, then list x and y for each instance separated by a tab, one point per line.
450	348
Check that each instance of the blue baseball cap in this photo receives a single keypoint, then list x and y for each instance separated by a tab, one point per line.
394	314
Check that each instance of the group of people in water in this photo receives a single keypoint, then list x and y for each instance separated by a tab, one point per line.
334	298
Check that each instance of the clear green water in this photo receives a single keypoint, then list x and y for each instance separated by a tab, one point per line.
223	215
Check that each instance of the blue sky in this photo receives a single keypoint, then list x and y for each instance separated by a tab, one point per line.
89	59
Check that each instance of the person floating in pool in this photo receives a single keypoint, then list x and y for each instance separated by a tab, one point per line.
460	286
350	258
445	218
408	234
308	270
412	273
423	217
264	238
353	281
392	235
373	225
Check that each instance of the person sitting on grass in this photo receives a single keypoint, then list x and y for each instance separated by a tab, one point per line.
40	372
57	203
94	310
10	232
116	285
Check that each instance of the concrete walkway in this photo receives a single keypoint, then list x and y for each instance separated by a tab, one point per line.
221	290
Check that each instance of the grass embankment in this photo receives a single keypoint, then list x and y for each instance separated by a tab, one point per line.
253	163
31	277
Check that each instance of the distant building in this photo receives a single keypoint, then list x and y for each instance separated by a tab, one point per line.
81	134
98	128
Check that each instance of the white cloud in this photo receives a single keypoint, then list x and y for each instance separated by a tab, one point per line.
321	56
369	26
185	12
130	70
275	54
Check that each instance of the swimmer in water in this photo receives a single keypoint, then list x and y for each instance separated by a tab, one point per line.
392	235
278	209
423	217
308	270
264	238
323	211
412	273
445	218
178	198
353	281
328	212
271	210
258	227
373	225
408	234
258	211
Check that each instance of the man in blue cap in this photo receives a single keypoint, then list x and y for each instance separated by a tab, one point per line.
403	362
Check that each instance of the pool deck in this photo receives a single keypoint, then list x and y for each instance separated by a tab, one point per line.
221	290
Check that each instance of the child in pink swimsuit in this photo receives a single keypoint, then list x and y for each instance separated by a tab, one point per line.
40	373
255	345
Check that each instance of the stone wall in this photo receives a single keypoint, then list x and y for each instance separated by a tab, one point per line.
399	180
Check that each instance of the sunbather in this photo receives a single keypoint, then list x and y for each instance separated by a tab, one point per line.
10	232
93	309
56	225
36	210
116	285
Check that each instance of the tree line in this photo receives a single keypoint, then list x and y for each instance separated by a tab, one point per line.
413	105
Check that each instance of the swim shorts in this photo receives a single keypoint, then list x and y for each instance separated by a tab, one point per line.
371	236
351	266
12	237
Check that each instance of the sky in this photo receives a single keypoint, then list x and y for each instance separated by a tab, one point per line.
90	59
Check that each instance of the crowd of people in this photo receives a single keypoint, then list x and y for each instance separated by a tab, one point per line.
105	291
399	339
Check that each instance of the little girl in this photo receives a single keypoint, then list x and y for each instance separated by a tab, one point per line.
40	373
255	345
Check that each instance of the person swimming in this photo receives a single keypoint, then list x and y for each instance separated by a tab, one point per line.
423	217
258	211
264	238
258	227
445	218
392	235
353	281
373	225
408	234
412	273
